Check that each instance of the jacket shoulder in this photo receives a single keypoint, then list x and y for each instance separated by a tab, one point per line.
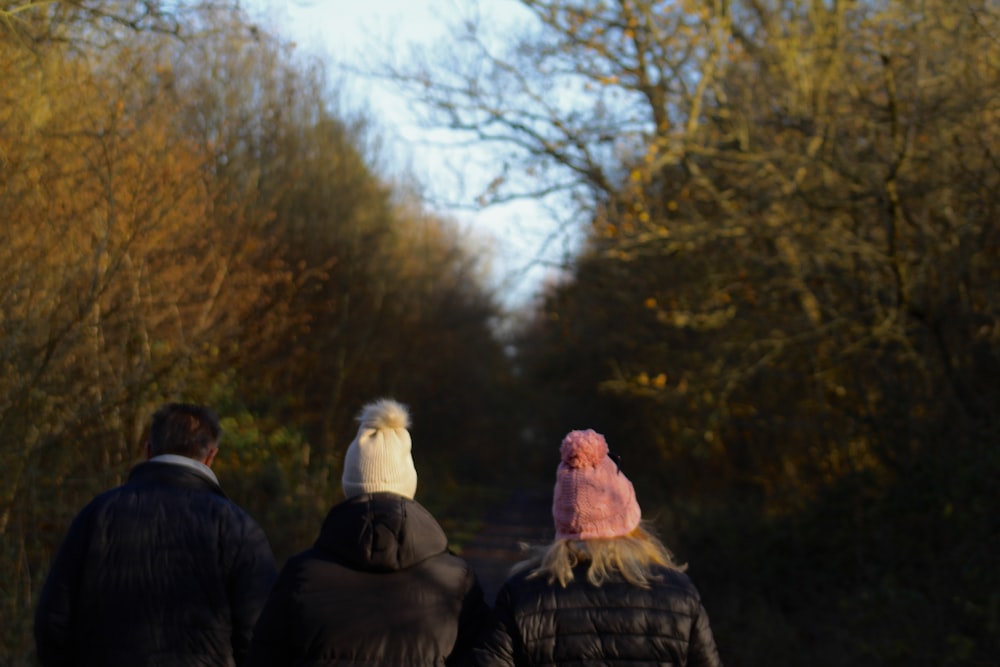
678	584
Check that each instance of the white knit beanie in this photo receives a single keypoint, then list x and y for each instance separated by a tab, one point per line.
379	459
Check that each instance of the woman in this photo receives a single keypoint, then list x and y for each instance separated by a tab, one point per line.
606	591
379	586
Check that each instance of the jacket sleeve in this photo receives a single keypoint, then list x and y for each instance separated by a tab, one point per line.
271	645
702	651
495	647
56	613
471	622
253	576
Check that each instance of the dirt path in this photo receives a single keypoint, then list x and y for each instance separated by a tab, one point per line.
526	517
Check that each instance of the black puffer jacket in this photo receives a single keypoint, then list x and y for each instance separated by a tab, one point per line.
164	570
614	624
379	587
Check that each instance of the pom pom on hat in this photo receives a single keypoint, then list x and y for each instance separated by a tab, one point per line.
592	498
384	414
379	460
583	449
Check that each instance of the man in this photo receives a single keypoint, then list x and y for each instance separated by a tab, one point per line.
164	570
379	586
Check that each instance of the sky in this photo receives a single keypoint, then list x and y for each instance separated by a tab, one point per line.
347	32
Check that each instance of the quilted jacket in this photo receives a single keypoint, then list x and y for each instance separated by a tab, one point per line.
379	587
614	624
164	570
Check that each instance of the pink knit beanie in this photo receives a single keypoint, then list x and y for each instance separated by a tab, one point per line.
593	498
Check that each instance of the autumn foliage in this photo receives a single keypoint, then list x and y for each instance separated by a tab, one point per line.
784	315
785	312
184	218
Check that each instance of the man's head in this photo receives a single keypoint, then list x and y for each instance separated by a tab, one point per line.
184	429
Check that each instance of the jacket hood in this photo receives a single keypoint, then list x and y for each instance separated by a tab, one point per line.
380	532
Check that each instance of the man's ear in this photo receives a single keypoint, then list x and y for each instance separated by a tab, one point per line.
149	450
211	456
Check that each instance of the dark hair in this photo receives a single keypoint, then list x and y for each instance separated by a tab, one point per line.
185	429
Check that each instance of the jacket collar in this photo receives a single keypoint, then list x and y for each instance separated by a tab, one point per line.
197	466
159	472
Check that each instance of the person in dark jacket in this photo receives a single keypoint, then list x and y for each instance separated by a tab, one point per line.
606	591
164	570
379	586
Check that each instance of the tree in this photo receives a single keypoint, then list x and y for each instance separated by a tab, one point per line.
778	160
187	218
120	279
789	277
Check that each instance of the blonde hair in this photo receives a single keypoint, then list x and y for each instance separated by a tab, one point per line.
632	557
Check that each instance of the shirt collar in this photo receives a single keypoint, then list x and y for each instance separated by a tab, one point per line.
197	466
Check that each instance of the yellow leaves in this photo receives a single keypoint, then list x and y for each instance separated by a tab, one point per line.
857	455
33	173
119	200
710	320
950	22
659	381
41	112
